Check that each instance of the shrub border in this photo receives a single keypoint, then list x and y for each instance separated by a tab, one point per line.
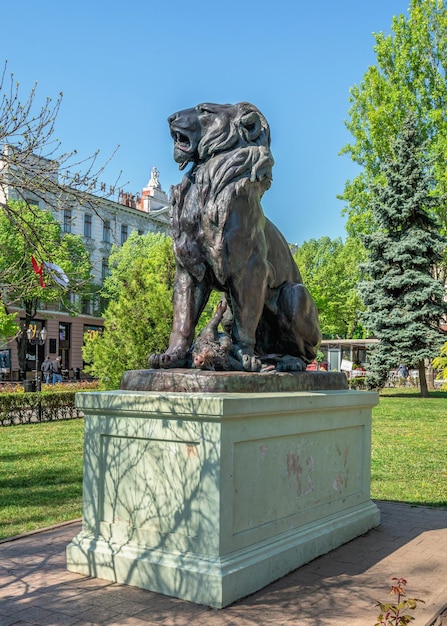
31	408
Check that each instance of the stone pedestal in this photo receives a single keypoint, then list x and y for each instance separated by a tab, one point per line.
211	496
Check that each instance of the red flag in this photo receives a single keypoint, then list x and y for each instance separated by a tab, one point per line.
38	269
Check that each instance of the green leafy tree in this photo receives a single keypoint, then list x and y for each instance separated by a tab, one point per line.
21	285
410	74
404	300
440	363
330	270
138	318
8	324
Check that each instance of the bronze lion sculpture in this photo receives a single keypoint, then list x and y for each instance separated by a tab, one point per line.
222	241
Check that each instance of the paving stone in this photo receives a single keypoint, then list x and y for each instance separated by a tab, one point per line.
58	619
336	589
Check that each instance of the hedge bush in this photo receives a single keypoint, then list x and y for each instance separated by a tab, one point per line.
26	408
357	383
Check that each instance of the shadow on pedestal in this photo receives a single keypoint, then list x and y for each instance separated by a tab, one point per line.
208	495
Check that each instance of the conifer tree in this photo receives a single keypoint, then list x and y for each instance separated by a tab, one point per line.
404	299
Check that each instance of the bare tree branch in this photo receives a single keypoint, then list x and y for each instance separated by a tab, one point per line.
32	166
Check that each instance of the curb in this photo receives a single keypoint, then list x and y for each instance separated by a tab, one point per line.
40	530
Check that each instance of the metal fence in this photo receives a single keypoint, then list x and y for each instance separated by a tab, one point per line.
32	408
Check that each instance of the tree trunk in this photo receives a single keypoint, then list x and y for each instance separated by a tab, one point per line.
430	376
423	379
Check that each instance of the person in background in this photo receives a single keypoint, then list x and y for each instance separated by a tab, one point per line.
47	369
57	370
402	371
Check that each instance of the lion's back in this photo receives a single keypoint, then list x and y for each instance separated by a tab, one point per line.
279	256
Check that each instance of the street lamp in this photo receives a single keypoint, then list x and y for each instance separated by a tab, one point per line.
36	338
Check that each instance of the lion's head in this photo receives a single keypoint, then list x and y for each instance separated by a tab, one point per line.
206	130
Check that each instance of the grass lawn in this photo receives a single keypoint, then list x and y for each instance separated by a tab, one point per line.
41	464
409	448
40	475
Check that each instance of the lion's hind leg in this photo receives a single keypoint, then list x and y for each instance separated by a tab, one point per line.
297	318
282	363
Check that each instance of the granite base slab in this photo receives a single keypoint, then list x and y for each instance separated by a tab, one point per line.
190	380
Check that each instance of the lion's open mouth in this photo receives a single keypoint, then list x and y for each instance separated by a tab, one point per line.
182	141
182	148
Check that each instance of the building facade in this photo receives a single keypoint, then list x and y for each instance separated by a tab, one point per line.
101	222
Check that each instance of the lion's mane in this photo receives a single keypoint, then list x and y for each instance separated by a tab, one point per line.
233	161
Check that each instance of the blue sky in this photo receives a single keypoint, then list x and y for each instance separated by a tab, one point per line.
124	67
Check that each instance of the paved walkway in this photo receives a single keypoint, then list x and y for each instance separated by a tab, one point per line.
338	589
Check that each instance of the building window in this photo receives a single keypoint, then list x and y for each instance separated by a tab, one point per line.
64	335
87	306
32	202
87	225
65	345
92	331
124	233
105	268
90	334
106	231
66	226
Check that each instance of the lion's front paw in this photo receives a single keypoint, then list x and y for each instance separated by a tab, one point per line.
166	360
250	363
155	361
